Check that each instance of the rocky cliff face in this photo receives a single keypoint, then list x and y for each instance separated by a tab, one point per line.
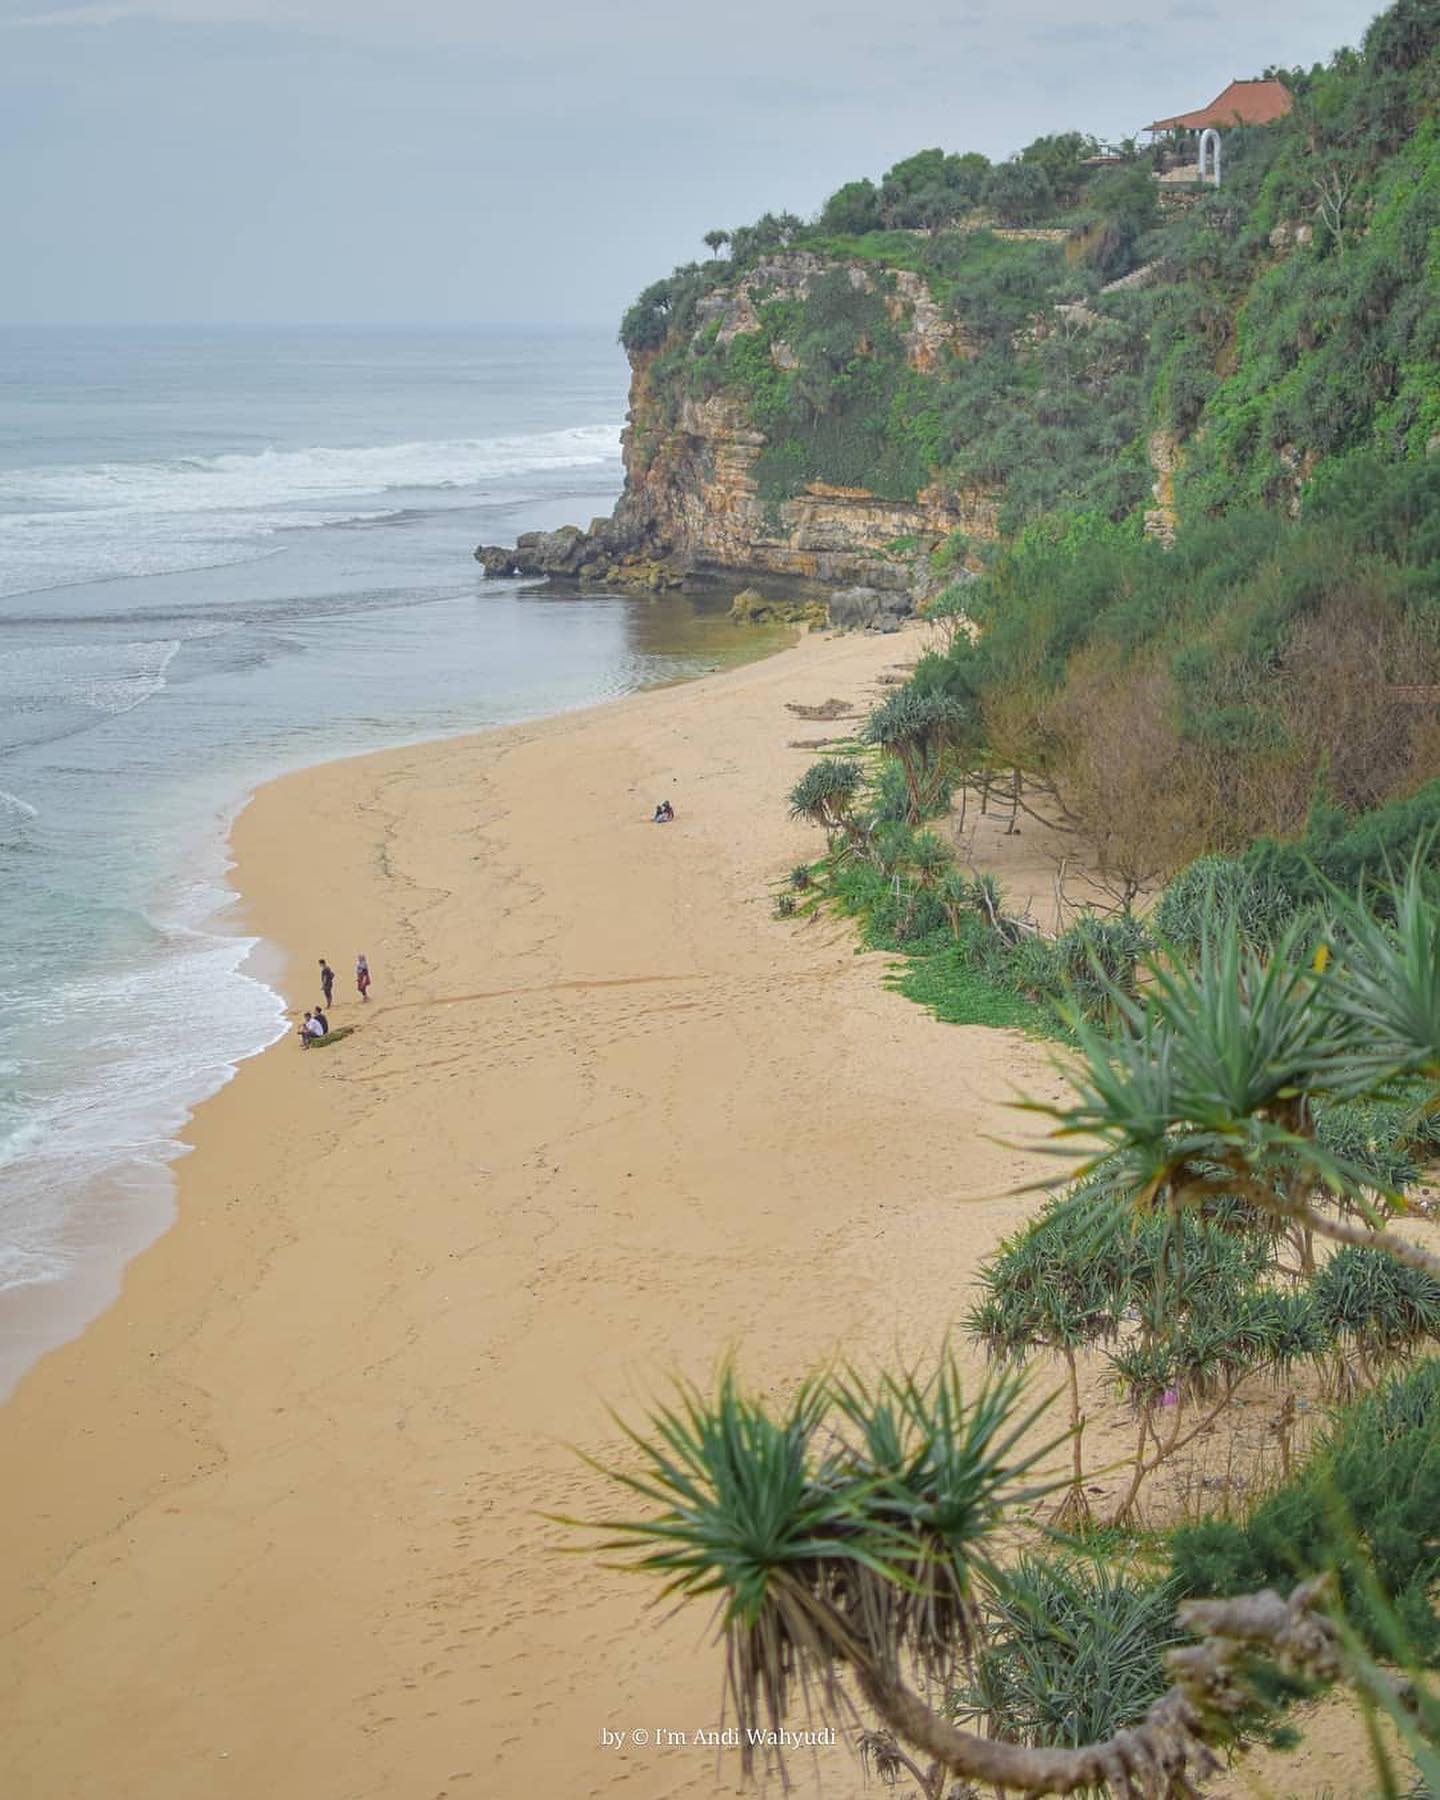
691	503
691	497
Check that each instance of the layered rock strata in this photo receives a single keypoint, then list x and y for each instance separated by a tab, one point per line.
691	504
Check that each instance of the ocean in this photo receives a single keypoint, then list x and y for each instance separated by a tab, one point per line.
225	553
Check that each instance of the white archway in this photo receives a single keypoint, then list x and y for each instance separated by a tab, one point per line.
1210	153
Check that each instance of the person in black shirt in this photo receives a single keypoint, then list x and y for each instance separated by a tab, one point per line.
327	981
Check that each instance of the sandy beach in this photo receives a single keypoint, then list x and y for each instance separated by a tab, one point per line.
274	1522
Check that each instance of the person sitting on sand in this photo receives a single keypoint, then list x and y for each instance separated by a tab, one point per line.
310	1030
362	976
319	1018
664	813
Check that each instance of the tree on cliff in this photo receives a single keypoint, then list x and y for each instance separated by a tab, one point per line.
1125	207
1019	192
931	189
1061	154
647	322
770	232
852	210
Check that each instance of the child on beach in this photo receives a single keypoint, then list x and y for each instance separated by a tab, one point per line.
327	981
310	1030
362	976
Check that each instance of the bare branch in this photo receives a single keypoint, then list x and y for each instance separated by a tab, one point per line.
1172	1750
1339	1231
1344	1231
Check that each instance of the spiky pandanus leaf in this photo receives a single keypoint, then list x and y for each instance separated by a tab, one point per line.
1207	1081
825	793
1377	1304
1072	1652
850	1527
1387	989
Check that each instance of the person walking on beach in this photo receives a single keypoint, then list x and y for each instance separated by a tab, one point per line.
362	976
327	981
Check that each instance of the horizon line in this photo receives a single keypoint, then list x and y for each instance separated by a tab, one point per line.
306	324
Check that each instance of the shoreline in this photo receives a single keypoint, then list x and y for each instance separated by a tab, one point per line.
121	1209
282	1525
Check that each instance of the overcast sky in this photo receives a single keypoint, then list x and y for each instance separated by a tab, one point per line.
466	160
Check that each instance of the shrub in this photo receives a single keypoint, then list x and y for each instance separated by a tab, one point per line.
1214	893
826	794
1071	1650
852	208
1376	1306
1366	1503
1094	954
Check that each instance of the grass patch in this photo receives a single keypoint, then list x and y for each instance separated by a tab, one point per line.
953	989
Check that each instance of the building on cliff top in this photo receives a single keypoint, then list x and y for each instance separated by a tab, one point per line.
1242	103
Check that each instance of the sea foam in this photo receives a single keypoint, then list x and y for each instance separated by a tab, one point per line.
275	477
102	521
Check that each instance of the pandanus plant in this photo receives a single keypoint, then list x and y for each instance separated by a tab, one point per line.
1186	1295
1072	1649
1375	1309
1061	1285
849	1540
850	1532
920	728
1206	1085
1190	1360
826	794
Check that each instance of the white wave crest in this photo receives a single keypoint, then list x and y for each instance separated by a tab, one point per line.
279	477
114	520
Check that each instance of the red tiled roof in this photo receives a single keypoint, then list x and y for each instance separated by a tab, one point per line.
1242	103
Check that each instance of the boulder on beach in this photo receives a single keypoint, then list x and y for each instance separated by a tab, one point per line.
751	607
870	609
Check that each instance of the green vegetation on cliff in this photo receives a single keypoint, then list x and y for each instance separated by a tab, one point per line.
1286	319
1248	714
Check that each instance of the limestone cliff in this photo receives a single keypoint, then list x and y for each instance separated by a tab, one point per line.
692	503
691	498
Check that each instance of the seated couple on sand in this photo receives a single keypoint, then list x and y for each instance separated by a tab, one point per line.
316	1026
664	813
